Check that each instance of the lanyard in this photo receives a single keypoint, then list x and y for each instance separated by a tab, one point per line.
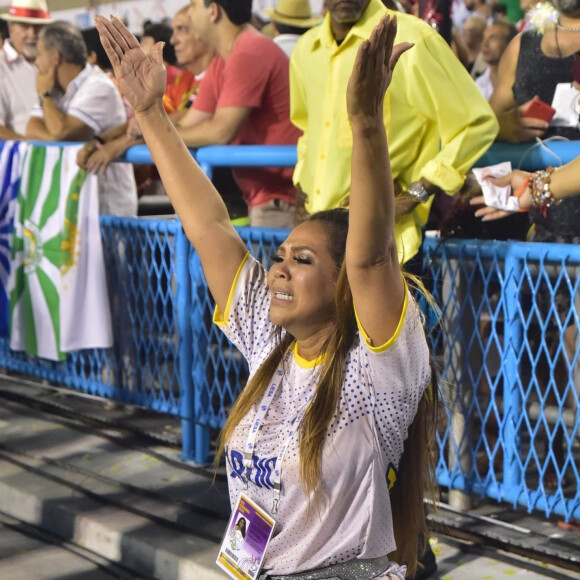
248	455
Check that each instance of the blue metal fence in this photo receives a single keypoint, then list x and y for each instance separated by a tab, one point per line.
509	381
508	349
142	368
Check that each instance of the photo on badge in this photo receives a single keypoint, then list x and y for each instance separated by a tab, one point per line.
247	536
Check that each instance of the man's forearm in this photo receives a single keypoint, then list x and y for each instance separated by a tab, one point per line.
405	203
7	134
54	120
119	145
114	133
204	133
176	116
36	129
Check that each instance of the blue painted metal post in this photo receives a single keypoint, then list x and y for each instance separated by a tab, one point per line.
199	368
512	472
186	386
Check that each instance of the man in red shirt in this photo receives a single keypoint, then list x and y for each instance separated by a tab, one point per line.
244	99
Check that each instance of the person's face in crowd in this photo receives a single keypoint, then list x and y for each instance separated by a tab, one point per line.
187	48
472	32
45	60
24	38
200	17
346	11
494	43
302	282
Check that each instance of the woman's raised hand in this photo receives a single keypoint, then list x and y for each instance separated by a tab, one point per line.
141	76
373	71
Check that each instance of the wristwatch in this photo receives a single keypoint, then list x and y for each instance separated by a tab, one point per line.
42	96
417	191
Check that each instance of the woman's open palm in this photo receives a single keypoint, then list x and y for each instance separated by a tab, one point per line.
141	76
373	70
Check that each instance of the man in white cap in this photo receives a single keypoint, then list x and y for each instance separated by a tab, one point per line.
290	20
17	70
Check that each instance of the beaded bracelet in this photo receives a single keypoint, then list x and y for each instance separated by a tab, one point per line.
542	196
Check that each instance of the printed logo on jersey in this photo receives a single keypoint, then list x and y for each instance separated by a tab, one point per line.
261	469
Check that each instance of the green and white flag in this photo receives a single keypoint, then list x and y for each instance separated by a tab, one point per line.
58	290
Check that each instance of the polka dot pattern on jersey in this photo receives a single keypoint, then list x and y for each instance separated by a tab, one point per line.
379	399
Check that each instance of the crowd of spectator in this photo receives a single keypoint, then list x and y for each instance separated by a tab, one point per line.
226	83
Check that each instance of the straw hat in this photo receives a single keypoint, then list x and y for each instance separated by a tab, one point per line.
294	13
28	12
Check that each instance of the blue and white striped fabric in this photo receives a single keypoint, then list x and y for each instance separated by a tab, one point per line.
10	160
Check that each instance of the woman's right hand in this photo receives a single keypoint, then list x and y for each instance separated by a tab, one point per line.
141	76
372	72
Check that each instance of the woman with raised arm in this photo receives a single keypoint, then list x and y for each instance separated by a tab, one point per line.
340	377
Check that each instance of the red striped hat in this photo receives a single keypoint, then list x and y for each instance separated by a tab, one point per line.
28	12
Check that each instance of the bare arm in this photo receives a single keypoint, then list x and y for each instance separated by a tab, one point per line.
36	129
103	155
203	214
513	127
92	146
7	134
57	126
178	116
371	253
114	132
198	129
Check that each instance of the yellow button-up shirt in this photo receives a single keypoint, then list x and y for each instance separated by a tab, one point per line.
438	124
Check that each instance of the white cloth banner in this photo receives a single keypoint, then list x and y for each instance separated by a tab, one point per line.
58	291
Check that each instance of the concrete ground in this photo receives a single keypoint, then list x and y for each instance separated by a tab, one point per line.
26	554
135	507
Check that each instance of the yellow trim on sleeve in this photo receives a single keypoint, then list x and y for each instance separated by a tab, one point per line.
393	338
218	318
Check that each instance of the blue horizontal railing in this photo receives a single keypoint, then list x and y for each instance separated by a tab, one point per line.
524	156
527	156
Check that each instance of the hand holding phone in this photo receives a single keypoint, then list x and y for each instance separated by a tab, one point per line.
538	109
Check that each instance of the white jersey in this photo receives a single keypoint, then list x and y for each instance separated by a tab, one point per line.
94	99
379	400
17	89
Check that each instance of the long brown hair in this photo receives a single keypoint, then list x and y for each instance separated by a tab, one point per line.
414	471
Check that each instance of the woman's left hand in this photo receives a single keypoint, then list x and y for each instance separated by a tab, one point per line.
516	180
373	71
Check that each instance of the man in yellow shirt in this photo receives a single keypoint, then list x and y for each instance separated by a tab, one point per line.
438	124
